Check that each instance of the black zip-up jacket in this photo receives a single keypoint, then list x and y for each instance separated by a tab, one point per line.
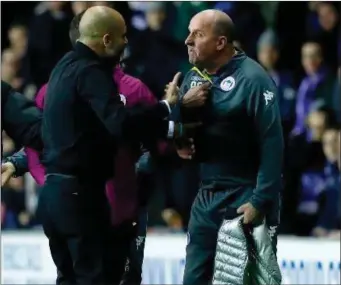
84	118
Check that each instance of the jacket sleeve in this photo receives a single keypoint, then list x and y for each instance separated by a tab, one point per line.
22	119
19	160
95	87
176	111
35	166
263	108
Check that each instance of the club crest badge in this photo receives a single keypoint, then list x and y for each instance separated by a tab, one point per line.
228	83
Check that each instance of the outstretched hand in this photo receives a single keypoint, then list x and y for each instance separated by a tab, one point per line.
172	90
7	171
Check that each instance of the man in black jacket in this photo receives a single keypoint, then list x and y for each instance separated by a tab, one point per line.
83	121
20	118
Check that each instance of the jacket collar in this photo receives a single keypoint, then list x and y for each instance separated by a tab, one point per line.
84	51
232	64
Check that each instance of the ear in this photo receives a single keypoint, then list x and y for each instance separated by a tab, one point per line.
106	39
221	43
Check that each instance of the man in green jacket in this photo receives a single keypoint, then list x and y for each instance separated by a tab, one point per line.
21	120
240	145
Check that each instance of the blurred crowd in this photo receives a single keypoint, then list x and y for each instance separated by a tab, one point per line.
298	43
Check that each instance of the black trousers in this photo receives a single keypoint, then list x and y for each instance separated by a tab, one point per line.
76	220
210	208
133	268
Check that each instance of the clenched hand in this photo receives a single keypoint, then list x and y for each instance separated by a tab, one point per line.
7	170
250	213
196	96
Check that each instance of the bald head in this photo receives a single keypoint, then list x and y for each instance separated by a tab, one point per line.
220	22
210	38
98	21
103	29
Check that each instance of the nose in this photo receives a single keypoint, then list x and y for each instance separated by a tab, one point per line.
189	41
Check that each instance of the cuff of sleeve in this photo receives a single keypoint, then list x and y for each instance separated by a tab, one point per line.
170	130
168	106
258	203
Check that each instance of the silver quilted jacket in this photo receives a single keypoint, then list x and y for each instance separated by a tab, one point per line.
244	258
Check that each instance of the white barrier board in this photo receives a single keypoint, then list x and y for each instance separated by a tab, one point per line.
26	259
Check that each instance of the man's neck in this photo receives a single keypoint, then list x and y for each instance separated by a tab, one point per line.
221	61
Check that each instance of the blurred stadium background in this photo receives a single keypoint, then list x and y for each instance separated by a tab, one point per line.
299	43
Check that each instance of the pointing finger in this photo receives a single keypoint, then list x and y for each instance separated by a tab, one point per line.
176	78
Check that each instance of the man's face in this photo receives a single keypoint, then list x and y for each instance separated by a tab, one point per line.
116	41
201	41
155	19
331	145
56	5
317	124
268	56
327	16
79	6
311	58
17	36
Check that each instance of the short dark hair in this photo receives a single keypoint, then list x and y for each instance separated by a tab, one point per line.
74	28
333	127
17	25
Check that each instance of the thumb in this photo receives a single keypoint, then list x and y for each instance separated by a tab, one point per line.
176	78
206	85
5	177
3	168
241	209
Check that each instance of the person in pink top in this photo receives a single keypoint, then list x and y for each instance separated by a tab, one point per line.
122	191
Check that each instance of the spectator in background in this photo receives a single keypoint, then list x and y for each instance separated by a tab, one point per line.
185	10
329	217
328	19
318	84
304	178
322	24
17	35
10	65
8	218
248	20
13	200
18	39
154	56
48	40
268	55
337	94
79	6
